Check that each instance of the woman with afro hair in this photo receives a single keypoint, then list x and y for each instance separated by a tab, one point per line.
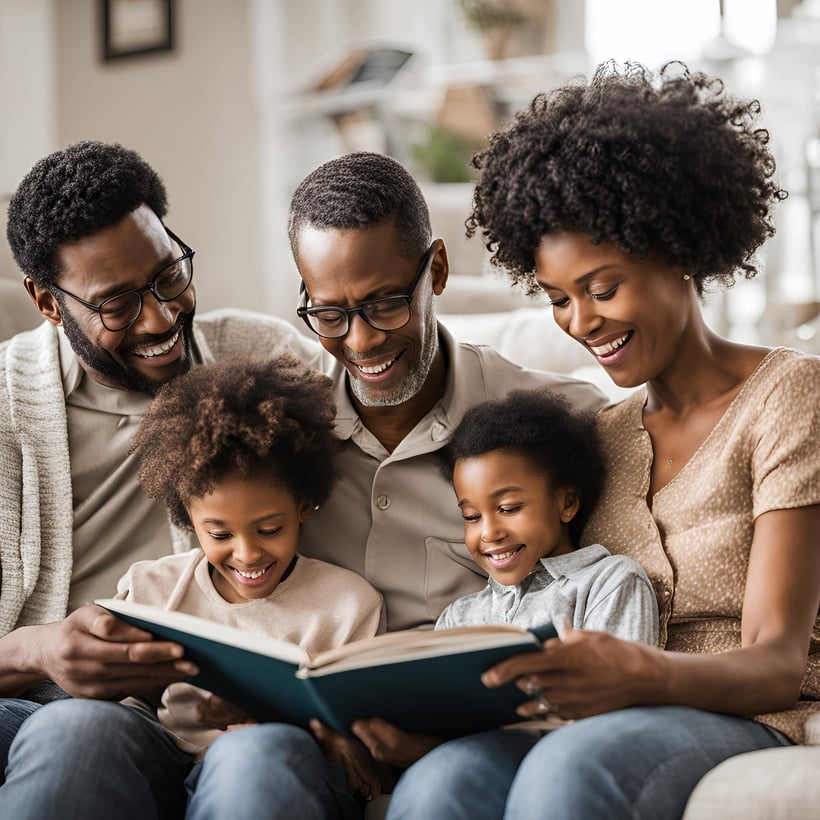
241	452
624	199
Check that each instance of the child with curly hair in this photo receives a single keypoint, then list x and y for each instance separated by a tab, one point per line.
241	453
624	198
527	471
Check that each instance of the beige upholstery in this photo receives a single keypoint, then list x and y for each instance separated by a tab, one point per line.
17	311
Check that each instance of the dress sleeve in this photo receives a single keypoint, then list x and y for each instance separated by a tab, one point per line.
786	456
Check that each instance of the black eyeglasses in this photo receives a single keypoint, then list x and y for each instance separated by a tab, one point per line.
387	313
121	311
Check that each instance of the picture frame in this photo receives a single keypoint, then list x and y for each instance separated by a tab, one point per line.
134	28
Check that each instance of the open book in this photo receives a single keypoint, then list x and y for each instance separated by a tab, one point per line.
423	681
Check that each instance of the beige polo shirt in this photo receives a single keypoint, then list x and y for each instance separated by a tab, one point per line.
115	523
392	517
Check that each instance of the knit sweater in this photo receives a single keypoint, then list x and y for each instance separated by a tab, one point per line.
36	509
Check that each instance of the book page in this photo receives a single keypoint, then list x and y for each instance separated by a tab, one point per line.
417	643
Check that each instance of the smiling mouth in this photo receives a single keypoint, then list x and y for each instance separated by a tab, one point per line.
150	351
498	557
376	370
251	575
610	347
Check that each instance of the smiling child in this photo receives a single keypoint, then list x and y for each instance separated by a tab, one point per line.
527	471
242	453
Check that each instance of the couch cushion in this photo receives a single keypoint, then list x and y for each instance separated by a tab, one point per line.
764	785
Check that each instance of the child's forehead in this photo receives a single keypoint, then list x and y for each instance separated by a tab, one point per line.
505	461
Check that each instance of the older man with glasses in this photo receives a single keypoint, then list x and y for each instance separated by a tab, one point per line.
114	285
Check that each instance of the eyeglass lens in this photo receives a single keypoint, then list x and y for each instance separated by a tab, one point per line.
390	313
120	311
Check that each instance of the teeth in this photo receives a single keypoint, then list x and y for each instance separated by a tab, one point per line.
148	351
603	350
503	556
251	575
373	371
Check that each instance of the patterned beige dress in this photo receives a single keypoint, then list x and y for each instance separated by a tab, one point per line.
695	538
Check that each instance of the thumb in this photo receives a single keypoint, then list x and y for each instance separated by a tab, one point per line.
566	631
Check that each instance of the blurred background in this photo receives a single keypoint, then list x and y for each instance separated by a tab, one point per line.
234	101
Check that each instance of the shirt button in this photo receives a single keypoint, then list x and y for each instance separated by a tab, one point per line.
438	432
383	501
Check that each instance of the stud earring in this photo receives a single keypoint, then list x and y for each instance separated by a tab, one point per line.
686	277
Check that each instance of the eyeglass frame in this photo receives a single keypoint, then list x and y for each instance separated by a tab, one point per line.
187	253
305	312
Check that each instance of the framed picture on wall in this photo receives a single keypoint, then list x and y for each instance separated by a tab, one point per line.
136	27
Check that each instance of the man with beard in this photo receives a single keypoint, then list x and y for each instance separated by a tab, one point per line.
361	237
115	287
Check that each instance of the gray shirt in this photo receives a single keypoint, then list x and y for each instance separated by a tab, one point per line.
589	587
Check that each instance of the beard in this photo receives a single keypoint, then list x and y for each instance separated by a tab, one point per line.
126	378
416	375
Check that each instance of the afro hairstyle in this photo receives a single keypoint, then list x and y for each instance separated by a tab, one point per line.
73	193
667	163
269	418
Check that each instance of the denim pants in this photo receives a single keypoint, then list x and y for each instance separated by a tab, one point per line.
90	760
635	763
268	771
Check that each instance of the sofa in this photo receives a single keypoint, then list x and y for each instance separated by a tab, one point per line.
766	785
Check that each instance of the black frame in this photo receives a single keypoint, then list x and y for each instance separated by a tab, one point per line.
163	42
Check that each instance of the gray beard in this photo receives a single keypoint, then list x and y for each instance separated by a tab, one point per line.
416	377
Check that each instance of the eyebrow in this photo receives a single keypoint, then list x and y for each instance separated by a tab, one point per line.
583	278
118	289
495	494
255	521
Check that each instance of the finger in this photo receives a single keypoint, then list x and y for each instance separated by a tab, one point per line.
527	663
102	624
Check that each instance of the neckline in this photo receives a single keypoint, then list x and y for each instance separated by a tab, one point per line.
753	377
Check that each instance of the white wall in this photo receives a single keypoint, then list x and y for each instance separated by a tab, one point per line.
27	99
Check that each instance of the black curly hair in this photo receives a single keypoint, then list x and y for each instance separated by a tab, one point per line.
73	193
362	190
664	162
559	441
266	418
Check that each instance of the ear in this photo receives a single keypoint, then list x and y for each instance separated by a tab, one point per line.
44	301
440	268
306	509
569	503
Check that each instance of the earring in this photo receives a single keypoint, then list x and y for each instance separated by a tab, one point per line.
316	507
686	277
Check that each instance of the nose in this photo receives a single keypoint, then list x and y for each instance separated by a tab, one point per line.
157	317
491	530
246	552
583	318
360	336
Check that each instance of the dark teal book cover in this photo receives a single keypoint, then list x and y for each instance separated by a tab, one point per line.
431	690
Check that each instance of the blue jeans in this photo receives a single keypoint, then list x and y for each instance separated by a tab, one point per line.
635	763
92	760
268	771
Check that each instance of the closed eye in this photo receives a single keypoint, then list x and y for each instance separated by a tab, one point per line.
508	510
471	518
602	297
558	303
220	536
272	532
